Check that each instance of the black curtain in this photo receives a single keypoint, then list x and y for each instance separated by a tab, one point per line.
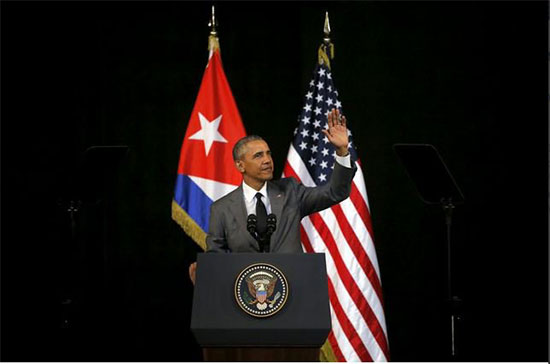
468	77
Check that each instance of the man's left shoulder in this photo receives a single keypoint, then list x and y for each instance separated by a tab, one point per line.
229	198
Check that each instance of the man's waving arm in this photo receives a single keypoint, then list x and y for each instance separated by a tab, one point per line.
339	187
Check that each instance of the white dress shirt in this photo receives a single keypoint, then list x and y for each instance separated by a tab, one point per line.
250	193
250	199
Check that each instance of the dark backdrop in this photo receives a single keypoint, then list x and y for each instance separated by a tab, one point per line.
468	77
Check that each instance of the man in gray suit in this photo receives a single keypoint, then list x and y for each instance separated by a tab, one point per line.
288	200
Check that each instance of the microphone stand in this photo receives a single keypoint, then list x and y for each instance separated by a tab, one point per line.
265	242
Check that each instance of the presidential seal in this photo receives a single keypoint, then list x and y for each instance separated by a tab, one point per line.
261	290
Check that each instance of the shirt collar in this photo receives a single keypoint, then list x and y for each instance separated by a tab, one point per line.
250	193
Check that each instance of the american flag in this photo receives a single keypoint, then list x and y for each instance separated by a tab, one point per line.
343	232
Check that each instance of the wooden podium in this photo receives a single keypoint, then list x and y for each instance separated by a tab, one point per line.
228	331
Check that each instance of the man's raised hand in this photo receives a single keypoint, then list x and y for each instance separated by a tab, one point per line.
337	132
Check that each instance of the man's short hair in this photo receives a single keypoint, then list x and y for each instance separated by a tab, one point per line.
238	149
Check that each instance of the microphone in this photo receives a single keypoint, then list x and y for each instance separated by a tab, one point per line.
251	224
271	223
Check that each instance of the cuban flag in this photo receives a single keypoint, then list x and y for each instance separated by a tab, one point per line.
206	169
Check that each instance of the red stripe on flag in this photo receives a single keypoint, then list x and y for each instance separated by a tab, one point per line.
335	348
362	208
354	291
352	288
288	171
357	248
305	240
345	276
346	325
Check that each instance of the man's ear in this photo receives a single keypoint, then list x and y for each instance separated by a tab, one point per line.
240	166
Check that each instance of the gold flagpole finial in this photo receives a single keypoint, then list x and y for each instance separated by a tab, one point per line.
327	29
326	50
212	23
213	42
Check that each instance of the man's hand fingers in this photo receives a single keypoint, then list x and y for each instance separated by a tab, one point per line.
330	119
335	118
343	121
192	271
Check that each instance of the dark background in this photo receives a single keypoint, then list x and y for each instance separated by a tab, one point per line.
468	77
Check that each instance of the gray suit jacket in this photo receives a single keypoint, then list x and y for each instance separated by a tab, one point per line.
290	202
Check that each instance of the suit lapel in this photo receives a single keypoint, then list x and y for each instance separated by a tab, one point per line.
276	198
242	216
238	201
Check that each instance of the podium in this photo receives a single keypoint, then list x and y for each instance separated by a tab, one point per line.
233	322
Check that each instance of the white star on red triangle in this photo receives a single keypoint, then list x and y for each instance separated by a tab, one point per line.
209	132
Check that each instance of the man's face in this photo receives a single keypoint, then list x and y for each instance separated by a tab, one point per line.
256	164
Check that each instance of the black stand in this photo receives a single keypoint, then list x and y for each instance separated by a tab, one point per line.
264	243
90	183
436	186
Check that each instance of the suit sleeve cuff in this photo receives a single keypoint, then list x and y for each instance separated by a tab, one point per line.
344	161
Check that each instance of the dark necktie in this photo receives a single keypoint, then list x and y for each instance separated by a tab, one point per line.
261	214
